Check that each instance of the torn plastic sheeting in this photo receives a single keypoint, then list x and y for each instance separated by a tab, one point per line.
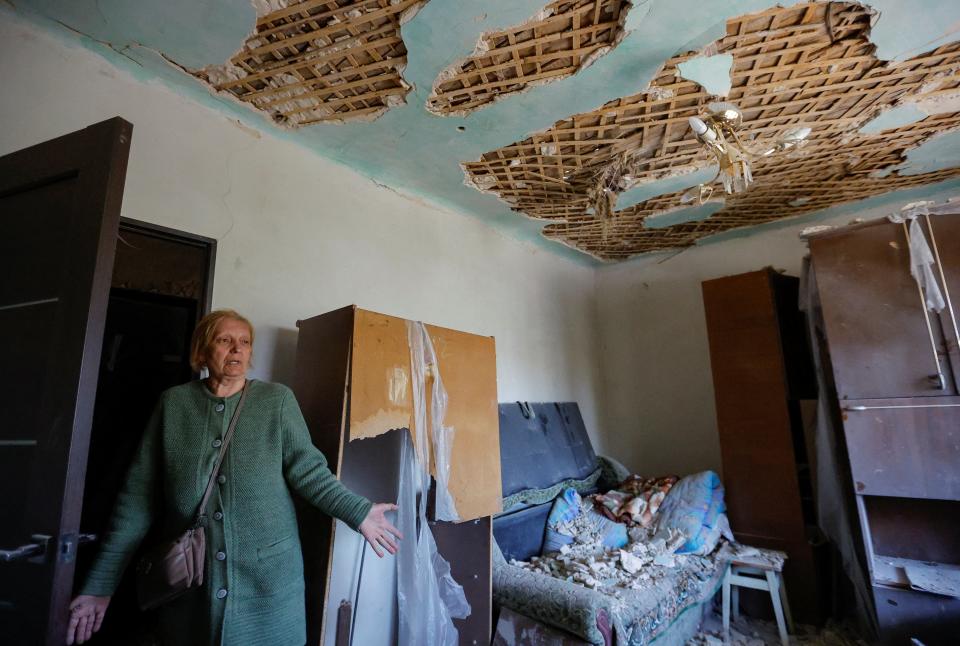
921	258
428	598
423	359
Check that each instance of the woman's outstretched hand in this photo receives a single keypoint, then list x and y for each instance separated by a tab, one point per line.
86	615
380	532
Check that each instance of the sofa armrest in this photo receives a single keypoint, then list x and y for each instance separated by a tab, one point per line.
568	606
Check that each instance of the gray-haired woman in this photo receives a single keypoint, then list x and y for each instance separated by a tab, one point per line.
253	588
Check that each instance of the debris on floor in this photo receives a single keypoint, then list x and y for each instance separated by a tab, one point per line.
747	631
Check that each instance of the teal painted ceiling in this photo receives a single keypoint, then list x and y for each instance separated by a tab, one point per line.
408	148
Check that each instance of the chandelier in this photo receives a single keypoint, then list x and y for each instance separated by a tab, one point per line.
717	131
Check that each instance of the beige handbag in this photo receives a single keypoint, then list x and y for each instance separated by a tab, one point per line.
172	567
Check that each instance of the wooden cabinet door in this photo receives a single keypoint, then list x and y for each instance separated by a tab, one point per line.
877	332
753	416
905	450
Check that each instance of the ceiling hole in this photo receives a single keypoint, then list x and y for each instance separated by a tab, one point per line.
461	128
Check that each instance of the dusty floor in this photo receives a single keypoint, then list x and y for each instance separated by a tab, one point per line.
747	631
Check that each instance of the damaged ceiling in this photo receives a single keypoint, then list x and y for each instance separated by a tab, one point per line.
320	61
808	65
530	100
564	37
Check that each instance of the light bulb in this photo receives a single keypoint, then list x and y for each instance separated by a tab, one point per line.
697	125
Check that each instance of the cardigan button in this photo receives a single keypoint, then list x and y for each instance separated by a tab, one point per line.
218	515
221	556
220	407
221	478
217	443
221	593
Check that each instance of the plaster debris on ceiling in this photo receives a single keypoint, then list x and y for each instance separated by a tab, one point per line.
937	153
808	65
682	215
711	72
312	61
564	38
929	100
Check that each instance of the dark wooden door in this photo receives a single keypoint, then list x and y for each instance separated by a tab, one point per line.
60	209
880	343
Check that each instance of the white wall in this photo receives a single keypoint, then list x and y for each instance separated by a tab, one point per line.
299	235
658	406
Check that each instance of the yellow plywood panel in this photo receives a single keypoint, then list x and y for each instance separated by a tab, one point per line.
380	385
468	369
381	400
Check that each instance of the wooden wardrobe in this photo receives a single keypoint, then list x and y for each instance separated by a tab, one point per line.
765	392
353	382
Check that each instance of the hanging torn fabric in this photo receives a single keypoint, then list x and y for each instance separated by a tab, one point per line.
921	258
423	362
428	597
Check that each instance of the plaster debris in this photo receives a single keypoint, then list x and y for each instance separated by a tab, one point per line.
911	110
747	631
656	93
548	150
565	37
712	73
613	571
263	7
483	183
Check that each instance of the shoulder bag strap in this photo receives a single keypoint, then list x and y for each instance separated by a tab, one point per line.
201	511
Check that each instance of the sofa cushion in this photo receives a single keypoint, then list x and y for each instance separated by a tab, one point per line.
571	515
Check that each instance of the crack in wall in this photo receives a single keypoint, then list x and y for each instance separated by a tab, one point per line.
121	51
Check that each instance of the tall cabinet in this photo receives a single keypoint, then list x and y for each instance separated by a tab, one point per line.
764	386
355	386
894	368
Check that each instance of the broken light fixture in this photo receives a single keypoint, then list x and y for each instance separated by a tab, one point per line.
718	132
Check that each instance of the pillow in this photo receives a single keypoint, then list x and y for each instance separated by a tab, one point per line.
694	506
569	519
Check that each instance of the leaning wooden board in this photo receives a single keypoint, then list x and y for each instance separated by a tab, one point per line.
381	400
354	383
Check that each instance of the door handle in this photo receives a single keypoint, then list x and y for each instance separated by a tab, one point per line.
29	551
40	548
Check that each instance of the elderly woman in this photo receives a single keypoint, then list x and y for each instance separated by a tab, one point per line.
253	591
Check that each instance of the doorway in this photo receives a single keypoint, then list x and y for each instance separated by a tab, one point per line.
162	284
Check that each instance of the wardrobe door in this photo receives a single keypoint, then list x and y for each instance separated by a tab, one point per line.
883	343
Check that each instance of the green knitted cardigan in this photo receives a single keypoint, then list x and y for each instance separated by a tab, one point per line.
253	591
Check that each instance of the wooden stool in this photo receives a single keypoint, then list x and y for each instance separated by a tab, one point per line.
752	567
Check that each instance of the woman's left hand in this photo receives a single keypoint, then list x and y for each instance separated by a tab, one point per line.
377	529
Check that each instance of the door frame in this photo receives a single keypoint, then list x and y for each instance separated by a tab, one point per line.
209	245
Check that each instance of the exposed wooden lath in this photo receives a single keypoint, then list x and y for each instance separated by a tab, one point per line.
809	64
321	60
563	38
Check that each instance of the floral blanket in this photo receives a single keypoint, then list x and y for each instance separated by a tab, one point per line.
635	501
